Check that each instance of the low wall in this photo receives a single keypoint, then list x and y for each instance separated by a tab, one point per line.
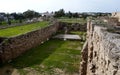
15	46
101	52
16	24
72	26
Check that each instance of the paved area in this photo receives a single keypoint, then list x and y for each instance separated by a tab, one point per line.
68	36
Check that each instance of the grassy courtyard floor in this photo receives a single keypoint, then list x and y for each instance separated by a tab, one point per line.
54	57
18	30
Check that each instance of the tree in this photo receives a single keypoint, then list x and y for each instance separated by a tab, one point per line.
20	17
1	19
75	15
36	14
2	15
60	13
29	14
8	19
69	14
84	15
15	16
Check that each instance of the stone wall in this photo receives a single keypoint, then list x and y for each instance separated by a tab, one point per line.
101	53
12	47
72	26
116	15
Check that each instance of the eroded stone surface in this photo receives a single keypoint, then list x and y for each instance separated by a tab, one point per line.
103	51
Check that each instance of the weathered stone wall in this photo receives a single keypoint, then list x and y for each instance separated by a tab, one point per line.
15	46
101	53
102	56
72	26
116	14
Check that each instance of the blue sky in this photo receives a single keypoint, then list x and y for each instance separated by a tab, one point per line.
54	5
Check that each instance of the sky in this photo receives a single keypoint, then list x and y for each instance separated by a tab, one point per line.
10	6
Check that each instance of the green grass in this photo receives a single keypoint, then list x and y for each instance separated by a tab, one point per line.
4	23
73	20
18	30
81	34
53	55
78	33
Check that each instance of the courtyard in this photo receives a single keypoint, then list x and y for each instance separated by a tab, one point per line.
54	57
59	55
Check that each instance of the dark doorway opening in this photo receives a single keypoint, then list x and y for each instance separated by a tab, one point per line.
1	39
1	60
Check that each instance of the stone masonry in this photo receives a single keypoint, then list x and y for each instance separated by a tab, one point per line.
11	48
15	46
72	26
101	52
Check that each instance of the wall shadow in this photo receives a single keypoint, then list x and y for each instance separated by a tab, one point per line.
36	55
2	39
6	70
